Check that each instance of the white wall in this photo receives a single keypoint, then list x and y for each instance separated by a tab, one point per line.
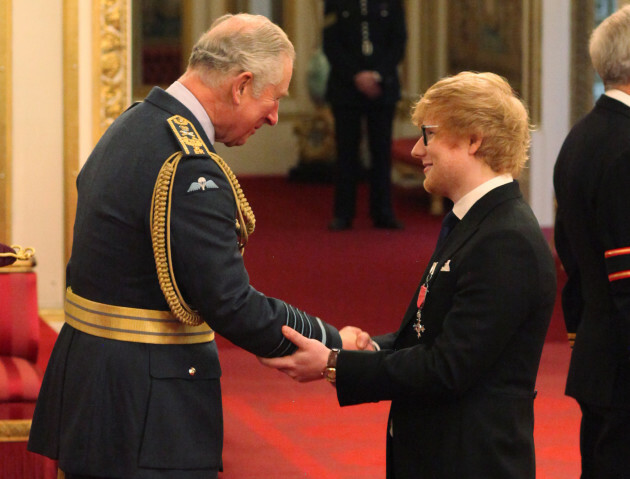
555	102
273	150
37	135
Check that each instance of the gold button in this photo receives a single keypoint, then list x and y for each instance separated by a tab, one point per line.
192	371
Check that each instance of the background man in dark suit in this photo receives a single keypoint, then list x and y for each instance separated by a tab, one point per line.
592	236
132	388
364	41
461	370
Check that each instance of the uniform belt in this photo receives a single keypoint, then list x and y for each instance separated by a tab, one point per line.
131	324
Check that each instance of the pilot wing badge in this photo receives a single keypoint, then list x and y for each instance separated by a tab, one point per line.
201	184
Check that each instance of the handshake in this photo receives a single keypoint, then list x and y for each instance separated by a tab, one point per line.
310	360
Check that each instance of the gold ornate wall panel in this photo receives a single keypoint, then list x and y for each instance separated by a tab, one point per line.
6	100
111	46
430	32
500	36
532	59
582	21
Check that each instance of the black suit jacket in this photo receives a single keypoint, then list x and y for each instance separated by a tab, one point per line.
462	394
106	407
342	43
592	185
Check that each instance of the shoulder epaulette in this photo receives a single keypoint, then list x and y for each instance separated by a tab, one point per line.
187	135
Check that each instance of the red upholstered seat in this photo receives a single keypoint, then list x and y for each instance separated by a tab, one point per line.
20	371
20	378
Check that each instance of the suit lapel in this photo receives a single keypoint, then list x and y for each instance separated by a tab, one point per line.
470	223
460	235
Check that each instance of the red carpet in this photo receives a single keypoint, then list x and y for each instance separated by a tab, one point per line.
276	428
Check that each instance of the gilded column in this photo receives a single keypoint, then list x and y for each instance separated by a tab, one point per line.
111	62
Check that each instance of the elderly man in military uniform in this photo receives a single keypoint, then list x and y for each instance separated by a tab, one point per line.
132	388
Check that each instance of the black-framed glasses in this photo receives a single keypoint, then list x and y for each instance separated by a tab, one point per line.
424	129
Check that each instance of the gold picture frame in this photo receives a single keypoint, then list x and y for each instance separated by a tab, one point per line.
500	36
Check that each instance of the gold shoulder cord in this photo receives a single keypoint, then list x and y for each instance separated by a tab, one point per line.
161	232
246	220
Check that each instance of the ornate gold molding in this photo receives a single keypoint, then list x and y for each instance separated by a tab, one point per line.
532	59
110	95
111	45
6	101
14	430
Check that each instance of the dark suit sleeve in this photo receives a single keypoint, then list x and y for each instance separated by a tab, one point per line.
211	274
494	304
571	297
614	230
386	341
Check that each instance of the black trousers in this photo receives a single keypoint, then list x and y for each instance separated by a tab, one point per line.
348	122
605	442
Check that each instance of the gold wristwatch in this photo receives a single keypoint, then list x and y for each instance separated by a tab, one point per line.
330	373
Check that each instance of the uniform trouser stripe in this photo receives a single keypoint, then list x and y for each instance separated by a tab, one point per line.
619	275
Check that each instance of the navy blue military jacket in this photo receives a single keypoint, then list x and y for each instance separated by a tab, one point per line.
116	408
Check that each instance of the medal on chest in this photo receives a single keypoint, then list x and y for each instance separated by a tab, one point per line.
422	295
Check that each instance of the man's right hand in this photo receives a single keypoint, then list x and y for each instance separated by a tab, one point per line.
354	338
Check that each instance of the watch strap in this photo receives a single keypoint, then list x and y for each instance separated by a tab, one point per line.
330	373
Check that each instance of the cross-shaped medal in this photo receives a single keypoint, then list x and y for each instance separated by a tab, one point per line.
418	327
422	294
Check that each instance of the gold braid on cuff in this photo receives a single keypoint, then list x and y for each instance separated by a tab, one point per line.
161	232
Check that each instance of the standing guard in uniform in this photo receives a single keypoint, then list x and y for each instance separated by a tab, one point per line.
364	41
132	387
